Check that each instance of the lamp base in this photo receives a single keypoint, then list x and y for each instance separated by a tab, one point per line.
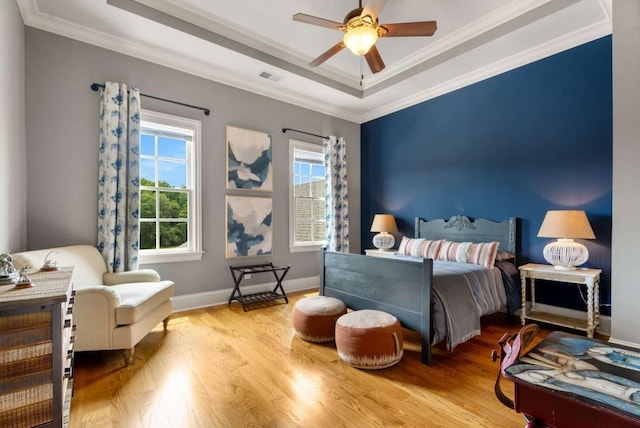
565	254
383	241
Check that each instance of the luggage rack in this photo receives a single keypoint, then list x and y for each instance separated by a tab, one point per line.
239	272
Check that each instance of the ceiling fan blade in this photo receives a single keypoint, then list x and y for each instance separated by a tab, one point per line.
409	29
373	8
374	60
328	54
314	20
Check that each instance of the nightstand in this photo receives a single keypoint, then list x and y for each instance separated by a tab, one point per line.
374	252
588	277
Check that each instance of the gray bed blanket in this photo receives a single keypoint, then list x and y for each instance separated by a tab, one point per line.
462	293
461	315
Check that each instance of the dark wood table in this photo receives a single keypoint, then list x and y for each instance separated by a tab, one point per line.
573	381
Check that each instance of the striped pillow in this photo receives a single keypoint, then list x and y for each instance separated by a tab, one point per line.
424	248
483	254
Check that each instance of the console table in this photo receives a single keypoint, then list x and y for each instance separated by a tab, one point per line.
588	277
36	351
239	272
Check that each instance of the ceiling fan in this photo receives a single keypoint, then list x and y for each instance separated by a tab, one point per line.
362	30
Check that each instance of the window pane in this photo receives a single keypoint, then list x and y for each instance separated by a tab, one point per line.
319	209
317	171
147	145
147	235
147	204
305	168
319	231
174	205
303	231
172	148
173	234
300	189
303	219
172	174
318	189
147	172
308	188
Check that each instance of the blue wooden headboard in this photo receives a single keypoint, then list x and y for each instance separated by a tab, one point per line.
462	229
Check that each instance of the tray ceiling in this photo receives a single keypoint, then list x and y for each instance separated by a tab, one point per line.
235	42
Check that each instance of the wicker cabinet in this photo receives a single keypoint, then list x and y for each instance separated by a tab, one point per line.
36	351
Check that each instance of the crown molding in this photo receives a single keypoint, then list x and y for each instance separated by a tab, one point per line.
214	24
469	32
33	17
36	19
553	47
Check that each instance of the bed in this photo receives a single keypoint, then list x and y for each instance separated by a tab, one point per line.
405	286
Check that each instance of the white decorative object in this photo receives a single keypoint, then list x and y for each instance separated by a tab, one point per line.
361	35
566	225
384	223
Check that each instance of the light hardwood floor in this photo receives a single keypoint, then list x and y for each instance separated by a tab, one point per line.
222	367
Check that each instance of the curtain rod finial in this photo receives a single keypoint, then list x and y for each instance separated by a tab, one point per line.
95	87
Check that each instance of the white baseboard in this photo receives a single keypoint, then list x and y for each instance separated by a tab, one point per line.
605	321
625	343
218	297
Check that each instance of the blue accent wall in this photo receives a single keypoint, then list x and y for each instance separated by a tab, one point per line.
529	140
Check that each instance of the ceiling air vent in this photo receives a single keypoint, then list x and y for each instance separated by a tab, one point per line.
270	76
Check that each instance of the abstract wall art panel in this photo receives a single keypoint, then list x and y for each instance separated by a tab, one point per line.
249	226
249	160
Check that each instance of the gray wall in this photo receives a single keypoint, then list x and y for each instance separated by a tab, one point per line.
62	136
625	284
13	176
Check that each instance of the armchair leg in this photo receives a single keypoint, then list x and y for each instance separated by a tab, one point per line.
165	322
128	356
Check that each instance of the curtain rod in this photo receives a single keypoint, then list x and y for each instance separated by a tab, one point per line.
284	130
207	112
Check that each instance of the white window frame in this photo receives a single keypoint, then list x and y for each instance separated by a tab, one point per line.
194	184
293	246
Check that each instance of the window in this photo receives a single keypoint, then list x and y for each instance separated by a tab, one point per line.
169	188
307	212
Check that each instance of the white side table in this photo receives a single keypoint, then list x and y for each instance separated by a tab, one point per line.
589	277
374	252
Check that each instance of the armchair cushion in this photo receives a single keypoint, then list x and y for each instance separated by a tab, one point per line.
139	299
142	275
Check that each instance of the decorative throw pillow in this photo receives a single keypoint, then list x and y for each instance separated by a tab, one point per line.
424	248
503	255
483	254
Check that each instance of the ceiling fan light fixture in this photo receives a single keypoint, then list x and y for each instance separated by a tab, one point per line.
360	36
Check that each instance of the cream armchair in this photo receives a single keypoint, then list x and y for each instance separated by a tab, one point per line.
111	310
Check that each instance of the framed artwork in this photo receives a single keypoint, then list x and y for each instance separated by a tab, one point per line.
249	226
249	160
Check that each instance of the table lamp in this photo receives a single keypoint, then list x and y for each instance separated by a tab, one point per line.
566	225
384	223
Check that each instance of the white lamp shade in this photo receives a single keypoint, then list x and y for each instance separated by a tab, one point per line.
565	254
566	224
360	39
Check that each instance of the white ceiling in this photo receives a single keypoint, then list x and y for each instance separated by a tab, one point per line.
233	41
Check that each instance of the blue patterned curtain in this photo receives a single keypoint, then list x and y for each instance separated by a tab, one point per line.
119	177
335	163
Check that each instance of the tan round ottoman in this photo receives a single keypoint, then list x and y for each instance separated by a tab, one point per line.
369	339
314	318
